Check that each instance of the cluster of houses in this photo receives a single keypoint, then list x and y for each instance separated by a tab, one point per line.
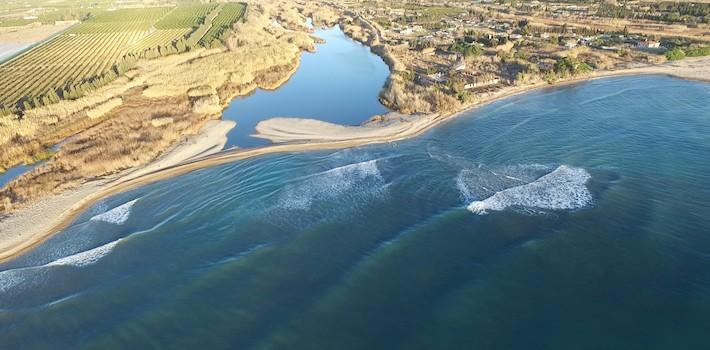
432	43
469	79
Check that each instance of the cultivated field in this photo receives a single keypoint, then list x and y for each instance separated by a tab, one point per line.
96	51
229	14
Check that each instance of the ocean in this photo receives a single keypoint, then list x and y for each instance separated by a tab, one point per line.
574	217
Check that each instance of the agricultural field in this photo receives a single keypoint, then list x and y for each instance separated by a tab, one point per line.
229	14
97	50
23	12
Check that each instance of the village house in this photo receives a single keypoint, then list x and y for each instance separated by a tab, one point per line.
648	44
478	79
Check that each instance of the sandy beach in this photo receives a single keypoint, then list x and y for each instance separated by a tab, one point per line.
35	223
395	126
32	225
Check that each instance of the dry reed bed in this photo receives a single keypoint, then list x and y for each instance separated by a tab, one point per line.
135	119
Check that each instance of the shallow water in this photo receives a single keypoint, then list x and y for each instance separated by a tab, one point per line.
338	83
14	172
594	233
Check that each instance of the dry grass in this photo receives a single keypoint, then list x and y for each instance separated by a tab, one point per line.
407	97
134	134
103	108
135	119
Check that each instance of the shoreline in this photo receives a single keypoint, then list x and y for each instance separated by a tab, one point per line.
31	226
65	206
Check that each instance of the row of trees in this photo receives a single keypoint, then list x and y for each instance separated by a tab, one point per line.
188	42
684	12
563	29
72	91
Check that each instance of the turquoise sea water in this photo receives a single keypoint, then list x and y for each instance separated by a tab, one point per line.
569	218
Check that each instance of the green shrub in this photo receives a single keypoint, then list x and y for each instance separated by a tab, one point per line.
675	54
698	51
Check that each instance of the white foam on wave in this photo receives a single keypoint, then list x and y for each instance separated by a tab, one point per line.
562	189
13	277
117	215
363	176
25	276
480	181
86	257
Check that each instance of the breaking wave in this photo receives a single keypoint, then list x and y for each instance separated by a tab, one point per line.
13	277
481	181
362	177
26	276
562	189
117	215
86	257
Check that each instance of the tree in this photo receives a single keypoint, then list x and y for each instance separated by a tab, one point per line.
467	50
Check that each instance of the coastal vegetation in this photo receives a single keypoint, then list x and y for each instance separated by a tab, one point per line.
167	70
678	53
137	116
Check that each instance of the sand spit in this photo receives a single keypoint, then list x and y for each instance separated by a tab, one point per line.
394	126
32	225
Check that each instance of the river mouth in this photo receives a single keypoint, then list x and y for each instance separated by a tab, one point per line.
339	83
593	215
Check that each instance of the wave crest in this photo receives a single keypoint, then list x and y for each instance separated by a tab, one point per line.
86	257
562	189
117	215
357	177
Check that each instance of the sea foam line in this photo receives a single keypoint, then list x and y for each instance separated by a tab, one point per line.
117	215
331	183
13	277
563	189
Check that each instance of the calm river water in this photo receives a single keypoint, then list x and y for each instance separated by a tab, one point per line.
340	83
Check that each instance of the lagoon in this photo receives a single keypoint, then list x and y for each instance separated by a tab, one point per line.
339	83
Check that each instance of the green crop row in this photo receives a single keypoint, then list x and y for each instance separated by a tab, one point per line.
187	16
222	24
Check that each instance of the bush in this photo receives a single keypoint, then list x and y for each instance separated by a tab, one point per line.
675	54
698	51
467	50
571	66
